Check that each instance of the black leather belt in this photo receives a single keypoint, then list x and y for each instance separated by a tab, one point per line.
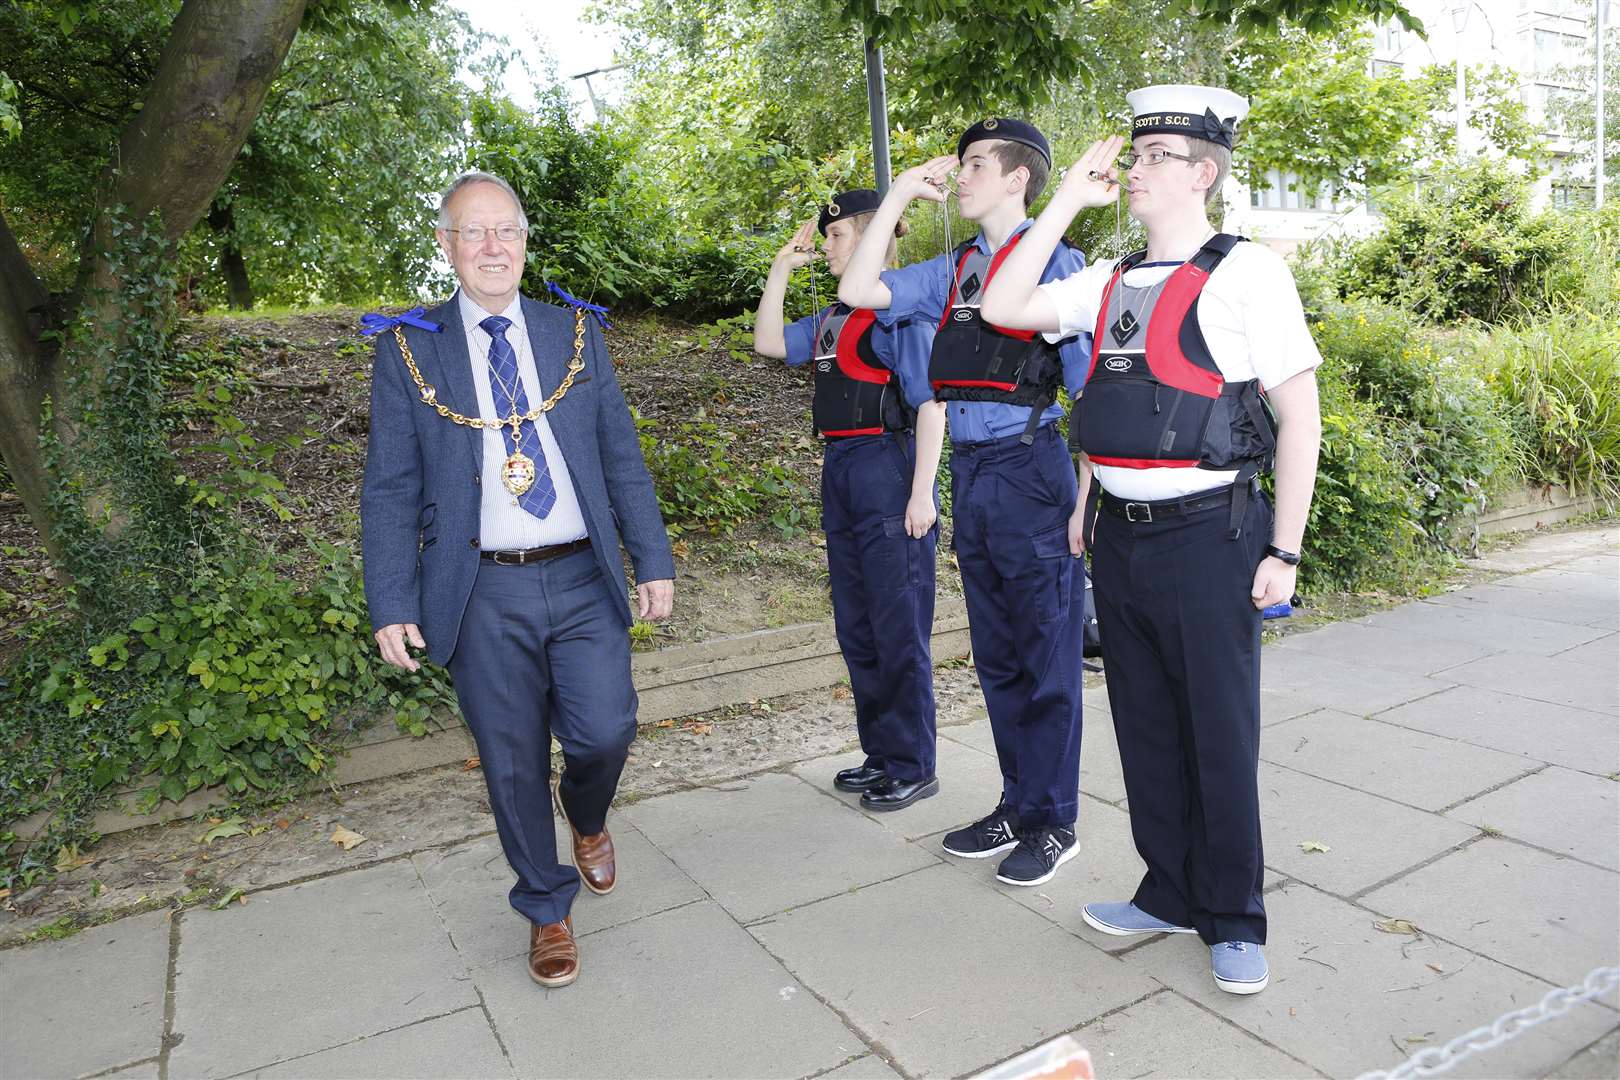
534	555
1142	513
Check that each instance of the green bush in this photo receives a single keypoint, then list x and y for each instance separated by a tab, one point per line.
1443	427
1464	245
705	482
1362	531
1561	377
245	679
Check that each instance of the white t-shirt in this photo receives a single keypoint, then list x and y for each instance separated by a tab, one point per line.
1252	320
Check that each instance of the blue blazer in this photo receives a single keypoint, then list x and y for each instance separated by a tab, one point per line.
421	501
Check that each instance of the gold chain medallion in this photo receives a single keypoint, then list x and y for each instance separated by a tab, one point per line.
517	472
430	396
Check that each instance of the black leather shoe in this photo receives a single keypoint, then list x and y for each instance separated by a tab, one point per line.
860	778
898	794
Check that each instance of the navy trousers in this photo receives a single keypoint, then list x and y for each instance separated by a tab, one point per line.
1026	602
882	584
1182	641
542	650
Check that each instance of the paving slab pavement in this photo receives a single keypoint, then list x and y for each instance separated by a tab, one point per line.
87	1004
1398	763
1553	917
1346	998
1563	811
1369	839
1131	1043
686	992
1577	739
944	974
1457	757
769	843
319	964
459	1044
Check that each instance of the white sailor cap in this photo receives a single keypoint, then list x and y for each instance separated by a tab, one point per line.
1199	112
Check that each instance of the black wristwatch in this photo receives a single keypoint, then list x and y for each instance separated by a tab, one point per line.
1289	557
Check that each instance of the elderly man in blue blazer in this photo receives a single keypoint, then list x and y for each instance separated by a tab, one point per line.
502	474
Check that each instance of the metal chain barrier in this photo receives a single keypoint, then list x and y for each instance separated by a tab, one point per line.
1434	1060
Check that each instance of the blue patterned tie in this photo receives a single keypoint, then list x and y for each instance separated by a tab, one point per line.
509	395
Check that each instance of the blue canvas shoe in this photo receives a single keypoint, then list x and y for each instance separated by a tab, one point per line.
1239	967
1123	918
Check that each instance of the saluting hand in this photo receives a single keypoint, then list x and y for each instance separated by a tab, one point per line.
927	181
801	250
1086	183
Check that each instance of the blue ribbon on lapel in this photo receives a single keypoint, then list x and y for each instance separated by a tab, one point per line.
596	310
376	323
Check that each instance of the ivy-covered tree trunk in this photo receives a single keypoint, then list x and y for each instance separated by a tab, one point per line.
78	379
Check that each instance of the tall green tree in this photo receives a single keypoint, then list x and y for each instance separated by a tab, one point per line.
327	200
79	382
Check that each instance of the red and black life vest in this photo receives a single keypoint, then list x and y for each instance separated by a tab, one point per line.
974	360
855	393
1154	396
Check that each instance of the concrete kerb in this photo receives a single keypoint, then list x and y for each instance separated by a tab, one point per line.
679	681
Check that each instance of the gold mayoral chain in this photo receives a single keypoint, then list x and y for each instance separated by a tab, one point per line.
517	471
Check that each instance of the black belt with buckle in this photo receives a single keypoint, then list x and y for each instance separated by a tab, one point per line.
534	555
1142	513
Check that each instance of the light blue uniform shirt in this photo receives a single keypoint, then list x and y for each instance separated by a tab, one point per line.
918	293
902	344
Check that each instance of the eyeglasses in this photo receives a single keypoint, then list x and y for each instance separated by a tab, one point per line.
1151	157
474	234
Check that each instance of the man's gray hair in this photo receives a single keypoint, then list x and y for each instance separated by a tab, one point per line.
476	176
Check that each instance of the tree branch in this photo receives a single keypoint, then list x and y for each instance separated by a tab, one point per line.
211	81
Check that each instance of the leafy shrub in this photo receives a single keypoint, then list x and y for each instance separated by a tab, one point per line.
1442	426
1363	529
240	680
705	482
1561	377
1464	245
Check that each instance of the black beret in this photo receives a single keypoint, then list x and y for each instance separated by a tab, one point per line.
1001	127
861	200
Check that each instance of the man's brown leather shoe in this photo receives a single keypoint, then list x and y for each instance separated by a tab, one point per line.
593	858
553	953
593	855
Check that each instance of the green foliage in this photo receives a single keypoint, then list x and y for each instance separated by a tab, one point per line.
1495	108
1465	244
1327	115
1362	532
10	124
243	678
120	509
1315	15
1443	428
1561	376
326	197
325	202
705	483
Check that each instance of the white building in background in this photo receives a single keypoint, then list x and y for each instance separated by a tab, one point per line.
1536	38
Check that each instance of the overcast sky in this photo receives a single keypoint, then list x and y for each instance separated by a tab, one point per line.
546	36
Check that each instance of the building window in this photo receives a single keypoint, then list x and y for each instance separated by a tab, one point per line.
1282	191
1556	50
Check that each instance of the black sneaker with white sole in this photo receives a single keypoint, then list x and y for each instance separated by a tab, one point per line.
990	835
1039	853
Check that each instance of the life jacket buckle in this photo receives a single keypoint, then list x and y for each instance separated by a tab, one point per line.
1145	509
